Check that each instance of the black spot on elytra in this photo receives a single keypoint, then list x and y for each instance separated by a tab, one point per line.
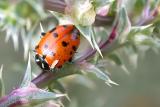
64	44
55	35
37	47
70	59
52	30
74	48
53	54
71	53
44	56
65	26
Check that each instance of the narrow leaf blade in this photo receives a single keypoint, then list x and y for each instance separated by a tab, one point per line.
2	88
86	32
124	24
27	78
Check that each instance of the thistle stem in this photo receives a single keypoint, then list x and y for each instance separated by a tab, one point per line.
46	78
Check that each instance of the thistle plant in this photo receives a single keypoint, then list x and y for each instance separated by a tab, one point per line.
108	26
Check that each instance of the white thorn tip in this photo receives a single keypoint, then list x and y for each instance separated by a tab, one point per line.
1	69
109	82
42	30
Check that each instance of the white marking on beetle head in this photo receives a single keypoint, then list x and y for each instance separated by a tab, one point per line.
54	64
37	60
42	65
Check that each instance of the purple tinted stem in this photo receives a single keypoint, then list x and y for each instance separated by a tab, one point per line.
46	78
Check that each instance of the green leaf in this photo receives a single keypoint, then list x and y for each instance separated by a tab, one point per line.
125	69
89	34
37	7
114	57
86	32
26	38
2	88
42	95
29	97
117	60
27	77
100	74
124	24
95	70
56	85
95	43
140	29
156	30
146	40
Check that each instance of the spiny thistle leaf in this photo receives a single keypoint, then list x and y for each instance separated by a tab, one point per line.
156	30
114	57
125	69
36	7
100	74
27	78
20	16
142	39
144	36
124	24
15	40
138	29
95	43
86	32
8	35
2	88
56	85
89	34
149	11
26	38
28	96
26	42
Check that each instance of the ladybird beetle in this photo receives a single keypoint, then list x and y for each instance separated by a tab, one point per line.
57	46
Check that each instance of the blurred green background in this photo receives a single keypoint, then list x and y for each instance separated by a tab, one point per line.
139	88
